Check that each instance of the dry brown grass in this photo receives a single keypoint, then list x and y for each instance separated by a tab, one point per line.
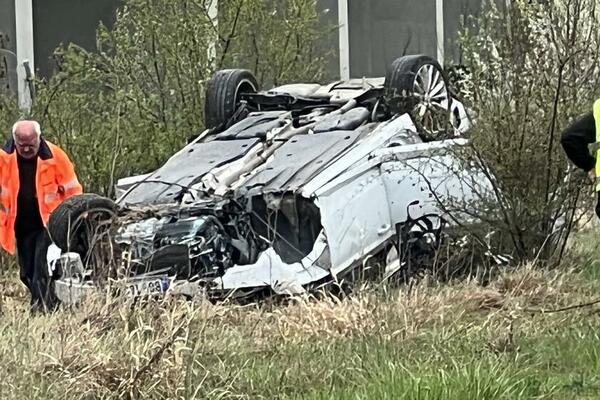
110	346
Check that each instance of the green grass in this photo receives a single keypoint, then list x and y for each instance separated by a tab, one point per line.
454	341
436	365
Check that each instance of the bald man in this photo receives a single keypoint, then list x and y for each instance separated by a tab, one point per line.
35	177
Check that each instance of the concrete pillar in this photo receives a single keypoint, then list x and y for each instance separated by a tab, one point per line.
344	39
24	33
439	30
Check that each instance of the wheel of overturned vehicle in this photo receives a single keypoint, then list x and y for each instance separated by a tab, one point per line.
421	242
82	224
223	95
417	85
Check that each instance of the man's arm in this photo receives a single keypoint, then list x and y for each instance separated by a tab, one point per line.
575	140
68	182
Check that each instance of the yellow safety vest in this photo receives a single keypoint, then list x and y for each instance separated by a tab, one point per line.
595	146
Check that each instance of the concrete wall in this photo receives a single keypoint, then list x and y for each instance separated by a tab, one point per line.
382	30
330	43
64	21
455	11
8	46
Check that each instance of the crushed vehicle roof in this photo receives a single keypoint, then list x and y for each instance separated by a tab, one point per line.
297	185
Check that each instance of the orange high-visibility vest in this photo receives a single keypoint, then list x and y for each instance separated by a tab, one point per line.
55	180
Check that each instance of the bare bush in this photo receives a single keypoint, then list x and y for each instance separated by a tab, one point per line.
533	68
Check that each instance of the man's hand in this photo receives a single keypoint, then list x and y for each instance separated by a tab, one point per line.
592	175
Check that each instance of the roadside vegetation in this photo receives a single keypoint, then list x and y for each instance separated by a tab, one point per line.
517	338
124	108
532	69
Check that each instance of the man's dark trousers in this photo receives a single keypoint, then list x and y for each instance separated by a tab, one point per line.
31	250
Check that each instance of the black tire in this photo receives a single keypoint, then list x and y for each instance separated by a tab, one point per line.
65	223
222	94
403	94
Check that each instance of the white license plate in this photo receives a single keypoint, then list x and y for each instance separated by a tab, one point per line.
148	287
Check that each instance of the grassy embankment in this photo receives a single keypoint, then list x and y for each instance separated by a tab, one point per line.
454	341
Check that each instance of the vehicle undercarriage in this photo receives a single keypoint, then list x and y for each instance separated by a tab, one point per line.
286	191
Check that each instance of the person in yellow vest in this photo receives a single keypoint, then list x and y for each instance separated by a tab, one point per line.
35	177
580	141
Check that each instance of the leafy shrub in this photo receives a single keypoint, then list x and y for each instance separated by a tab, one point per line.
124	108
